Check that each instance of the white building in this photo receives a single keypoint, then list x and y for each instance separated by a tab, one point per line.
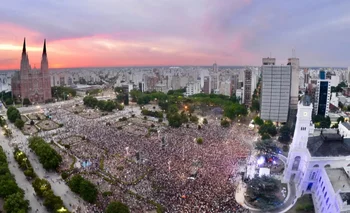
334	99
193	87
318	164
335	80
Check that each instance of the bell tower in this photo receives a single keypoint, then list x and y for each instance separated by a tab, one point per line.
298	153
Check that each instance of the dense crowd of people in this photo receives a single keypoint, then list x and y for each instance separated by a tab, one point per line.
168	167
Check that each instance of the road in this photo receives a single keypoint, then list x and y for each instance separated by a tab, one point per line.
21	180
70	200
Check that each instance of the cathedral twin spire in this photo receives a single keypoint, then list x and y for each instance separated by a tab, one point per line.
24	50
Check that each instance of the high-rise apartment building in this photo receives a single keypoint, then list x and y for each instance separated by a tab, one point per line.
275	92
226	88
193	87
294	91
235	83
322	97
322	74
31	83
207	85
247	87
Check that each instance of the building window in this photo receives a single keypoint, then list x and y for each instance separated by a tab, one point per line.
327	200
327	166
316	165
319	180
325	194
323	189
296	163
309	186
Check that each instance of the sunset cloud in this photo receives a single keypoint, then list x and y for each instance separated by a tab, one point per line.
125	33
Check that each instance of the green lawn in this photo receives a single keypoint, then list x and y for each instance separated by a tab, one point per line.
303	205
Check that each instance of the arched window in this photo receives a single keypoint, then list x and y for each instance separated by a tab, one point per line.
316	165
348	165
327	166
296	163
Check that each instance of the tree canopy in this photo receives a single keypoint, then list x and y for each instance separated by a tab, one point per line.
48	156
13	114
261	192
9	190
117	207
266	146
84	188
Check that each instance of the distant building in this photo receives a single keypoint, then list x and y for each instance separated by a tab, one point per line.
207	85
32	83
275	92
335	80
247	87
193	87
322	74
226	88
175	82
294	90
268	61
142	86
322	97
235	83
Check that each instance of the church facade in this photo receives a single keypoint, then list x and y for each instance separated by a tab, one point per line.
318	163
33	84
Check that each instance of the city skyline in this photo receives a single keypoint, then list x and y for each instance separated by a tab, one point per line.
112	34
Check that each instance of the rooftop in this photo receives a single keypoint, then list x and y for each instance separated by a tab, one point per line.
340	180
346	125
328	145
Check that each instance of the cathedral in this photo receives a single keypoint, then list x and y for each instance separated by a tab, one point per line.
318	163
31	83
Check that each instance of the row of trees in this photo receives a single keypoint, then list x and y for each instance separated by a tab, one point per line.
63	92
156	114
9	190
41	186
84	188
52	202
24	163
48	156
101	104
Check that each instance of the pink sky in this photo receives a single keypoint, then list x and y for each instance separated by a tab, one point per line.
85	33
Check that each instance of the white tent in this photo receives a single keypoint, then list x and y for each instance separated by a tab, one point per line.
264	171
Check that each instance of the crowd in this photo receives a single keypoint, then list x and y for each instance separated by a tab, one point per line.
167	167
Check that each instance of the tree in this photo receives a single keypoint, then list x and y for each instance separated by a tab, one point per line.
340	119
15	203
266	146
234	110
225	123
205	121
48	156
255	105
13	114
284	134
258	121
84	188
19	123
51	201
174	120
26	101
88	191
261	192
199	140
117	207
